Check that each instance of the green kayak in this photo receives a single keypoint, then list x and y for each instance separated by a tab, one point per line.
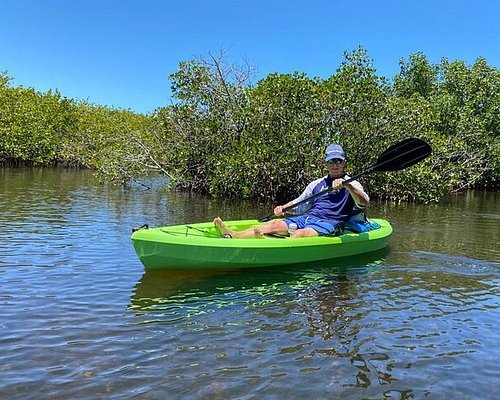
199	246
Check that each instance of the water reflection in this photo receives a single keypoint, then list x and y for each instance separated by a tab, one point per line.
159	287
368	329
374	330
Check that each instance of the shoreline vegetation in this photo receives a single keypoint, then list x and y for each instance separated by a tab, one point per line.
229	137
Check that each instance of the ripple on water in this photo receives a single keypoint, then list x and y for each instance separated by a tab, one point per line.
459	264
81	318
394	327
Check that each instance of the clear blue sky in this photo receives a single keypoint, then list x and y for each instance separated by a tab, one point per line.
120	52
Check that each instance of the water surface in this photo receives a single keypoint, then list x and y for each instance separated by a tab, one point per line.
81	319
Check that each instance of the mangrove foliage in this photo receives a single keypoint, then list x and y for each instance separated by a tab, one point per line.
228	136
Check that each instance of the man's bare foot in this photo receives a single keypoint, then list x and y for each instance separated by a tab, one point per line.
222	228
228	233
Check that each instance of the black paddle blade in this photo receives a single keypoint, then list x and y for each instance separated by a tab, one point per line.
403	155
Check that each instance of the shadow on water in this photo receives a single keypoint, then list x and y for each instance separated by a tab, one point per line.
158	287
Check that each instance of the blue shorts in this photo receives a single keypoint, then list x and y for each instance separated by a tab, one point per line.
305	221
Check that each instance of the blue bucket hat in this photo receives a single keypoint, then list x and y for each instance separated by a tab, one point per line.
334	151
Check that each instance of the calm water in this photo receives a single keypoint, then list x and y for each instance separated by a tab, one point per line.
81	320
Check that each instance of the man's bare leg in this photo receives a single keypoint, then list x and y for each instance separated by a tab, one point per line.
274	226
306	232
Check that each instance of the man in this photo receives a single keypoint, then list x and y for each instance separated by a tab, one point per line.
326	212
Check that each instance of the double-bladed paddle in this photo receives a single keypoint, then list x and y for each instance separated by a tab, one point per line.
399	156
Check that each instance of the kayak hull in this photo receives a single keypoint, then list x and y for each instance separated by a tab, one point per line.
199	246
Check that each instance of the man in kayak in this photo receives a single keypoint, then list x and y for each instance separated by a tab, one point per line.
325	213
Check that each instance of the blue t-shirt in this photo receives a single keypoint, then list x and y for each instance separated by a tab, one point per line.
335	206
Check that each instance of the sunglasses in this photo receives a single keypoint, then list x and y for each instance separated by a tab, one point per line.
335	161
